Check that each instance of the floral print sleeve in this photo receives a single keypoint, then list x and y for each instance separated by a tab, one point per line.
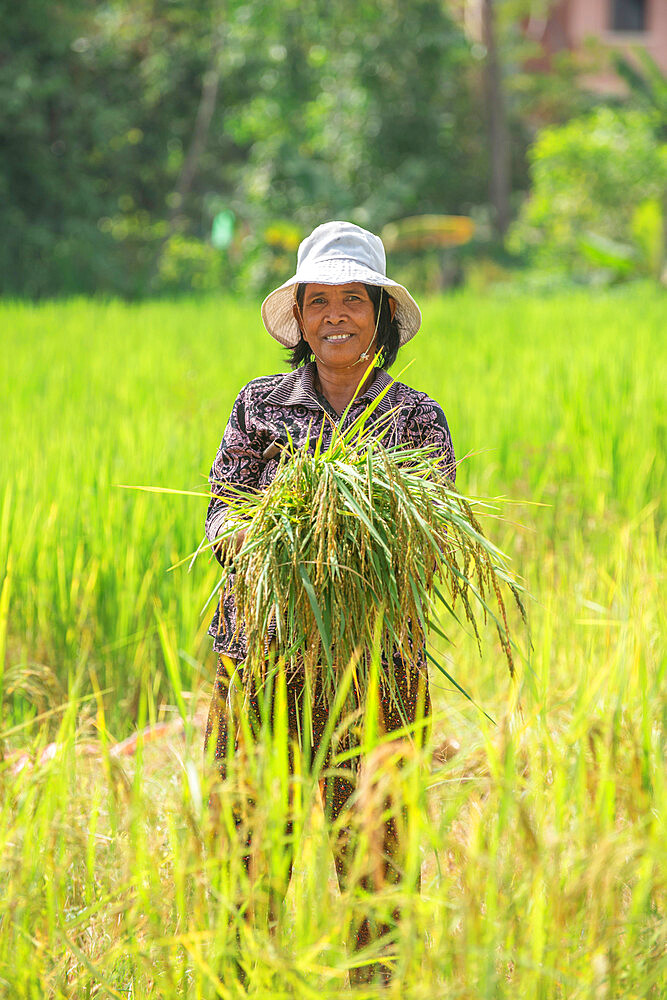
238	463
426	425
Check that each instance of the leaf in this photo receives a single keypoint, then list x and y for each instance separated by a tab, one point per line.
458	687
619	257
358	511
324	631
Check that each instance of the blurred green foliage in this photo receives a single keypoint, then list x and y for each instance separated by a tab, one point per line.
647	85
598	194
359	110
130	126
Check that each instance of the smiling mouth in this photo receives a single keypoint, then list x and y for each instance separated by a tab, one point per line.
338	336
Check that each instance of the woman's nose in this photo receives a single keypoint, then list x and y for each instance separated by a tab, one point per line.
336	312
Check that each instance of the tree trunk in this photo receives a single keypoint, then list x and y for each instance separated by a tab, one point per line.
205	110
499	144
207	101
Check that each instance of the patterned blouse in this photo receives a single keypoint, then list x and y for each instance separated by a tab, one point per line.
265	410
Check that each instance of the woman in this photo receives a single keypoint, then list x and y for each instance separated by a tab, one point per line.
335	315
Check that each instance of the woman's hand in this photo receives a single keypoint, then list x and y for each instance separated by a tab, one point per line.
237	539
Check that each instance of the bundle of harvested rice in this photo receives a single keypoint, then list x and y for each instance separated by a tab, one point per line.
353	542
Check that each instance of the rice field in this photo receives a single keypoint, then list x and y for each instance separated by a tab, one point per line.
541	842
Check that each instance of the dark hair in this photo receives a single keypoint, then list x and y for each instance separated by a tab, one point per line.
388	336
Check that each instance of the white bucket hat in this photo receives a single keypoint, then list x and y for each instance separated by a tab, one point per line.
334	254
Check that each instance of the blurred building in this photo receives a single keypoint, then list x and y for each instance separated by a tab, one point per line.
621	25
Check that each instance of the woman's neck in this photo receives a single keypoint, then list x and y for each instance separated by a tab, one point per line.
338	387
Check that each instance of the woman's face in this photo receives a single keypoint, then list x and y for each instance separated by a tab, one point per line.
338	322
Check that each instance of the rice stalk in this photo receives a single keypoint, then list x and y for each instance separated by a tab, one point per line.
349	534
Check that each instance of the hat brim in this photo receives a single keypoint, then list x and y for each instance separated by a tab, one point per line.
278	311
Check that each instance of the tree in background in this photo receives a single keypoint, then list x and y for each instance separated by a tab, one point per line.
597	200
99	104
499	140
363	112
131	124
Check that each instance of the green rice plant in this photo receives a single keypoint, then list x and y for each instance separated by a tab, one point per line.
559	399
350	534
541	842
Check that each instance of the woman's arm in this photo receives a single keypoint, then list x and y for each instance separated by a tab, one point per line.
238	464
426	425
